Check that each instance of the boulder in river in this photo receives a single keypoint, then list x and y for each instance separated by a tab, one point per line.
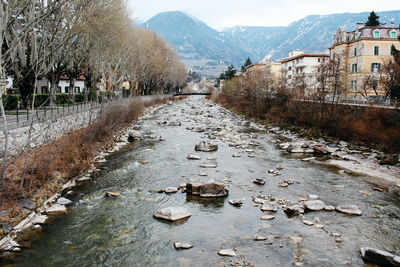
179	245
236	202
206	147
193	157
259	181
208	189
293	210
112	194
172	213
227	252
56	210
64	201
319	149
351	210
380	257
269	206
134	135
314	205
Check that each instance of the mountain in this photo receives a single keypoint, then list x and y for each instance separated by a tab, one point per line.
199	46
208	51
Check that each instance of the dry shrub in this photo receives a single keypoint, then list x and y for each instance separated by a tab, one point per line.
378	127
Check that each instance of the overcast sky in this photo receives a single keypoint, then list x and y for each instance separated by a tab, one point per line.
226	13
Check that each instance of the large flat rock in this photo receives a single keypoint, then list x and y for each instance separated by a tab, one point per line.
172	213
314	205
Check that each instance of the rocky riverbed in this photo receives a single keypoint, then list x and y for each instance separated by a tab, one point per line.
200	185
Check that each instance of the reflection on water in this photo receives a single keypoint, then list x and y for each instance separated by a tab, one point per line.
122	231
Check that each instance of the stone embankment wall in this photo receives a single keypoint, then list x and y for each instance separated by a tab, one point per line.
45	132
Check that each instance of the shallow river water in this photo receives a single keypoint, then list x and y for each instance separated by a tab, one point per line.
122	231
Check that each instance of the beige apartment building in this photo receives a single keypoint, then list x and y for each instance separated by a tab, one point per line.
362	55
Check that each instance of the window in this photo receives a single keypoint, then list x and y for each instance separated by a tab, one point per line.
58	89
354	84
357	35
290	68
67	89
354	67
77	89
44	90
393	35
376	67
376	50
376	34
355	51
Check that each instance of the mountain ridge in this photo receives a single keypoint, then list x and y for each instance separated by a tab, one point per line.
209	51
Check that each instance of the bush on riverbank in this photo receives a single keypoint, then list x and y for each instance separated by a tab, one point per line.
377	126
52	165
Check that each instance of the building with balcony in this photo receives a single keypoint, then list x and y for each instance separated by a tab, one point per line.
299	70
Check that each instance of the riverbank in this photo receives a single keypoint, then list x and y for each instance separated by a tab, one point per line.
373	166
73	164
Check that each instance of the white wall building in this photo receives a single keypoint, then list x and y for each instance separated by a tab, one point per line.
43	85
301	67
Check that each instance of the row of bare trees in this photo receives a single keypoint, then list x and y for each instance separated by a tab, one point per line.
94	38
51	38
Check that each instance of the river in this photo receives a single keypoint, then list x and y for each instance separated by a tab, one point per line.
101	231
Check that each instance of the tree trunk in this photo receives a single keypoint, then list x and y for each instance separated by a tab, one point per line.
53	90
71	89
5	130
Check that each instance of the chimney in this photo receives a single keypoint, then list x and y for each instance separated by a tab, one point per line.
360	25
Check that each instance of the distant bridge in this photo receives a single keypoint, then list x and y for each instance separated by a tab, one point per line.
191	93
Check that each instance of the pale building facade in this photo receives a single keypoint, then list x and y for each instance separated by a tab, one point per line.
362	55
299	70
43	85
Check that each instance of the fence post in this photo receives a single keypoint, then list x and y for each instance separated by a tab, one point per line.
27	114
45	111
17	117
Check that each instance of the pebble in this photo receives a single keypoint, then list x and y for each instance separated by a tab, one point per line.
289	181
227	252
259	181
268	217
112	194
309	223
329	208
179	246
283	184
260	238
236	202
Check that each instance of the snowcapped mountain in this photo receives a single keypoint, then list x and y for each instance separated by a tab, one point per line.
208	51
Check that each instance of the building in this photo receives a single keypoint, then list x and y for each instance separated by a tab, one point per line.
255	67
362	55
43	85
299	70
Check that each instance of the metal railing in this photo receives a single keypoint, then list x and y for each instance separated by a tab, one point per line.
22	117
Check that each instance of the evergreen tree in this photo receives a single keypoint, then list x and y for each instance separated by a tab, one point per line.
247	63
230	72
373	20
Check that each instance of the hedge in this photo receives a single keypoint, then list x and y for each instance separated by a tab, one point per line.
42	99
79	98
10	102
